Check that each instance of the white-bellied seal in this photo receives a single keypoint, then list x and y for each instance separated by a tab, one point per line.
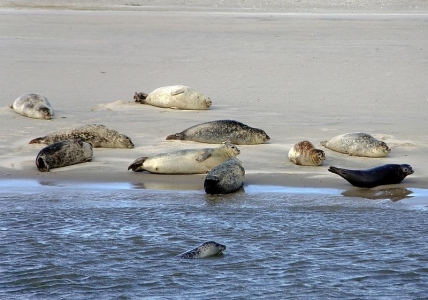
382	175
220	131
304	153
175	96
189	161
33	106
206	249
99	136
225	178
64	153
357	144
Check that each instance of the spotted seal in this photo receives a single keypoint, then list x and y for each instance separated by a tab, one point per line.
189	161
64	153
206	249
357	144
176	96
225	178
99	136
382	175
33	106
219	131
304	153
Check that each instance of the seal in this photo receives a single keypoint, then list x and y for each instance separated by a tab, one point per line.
175	96
189	161
304	153
382	175
99	136
357	144
220	131
64	153
206	249
225	178
33	106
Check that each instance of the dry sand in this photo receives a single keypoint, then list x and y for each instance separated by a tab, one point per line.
298	72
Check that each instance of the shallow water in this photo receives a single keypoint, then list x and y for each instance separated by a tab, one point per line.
118	242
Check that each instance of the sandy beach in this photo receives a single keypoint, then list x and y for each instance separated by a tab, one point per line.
297	71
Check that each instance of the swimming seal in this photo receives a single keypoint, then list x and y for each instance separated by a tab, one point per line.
206	249
176	96
304	153
189	161
64	153
225	178
33	106
216	132
382	175
99	136
357	144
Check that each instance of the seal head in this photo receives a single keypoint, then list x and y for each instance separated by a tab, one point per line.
206	249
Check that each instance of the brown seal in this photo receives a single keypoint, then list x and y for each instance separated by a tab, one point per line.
304	153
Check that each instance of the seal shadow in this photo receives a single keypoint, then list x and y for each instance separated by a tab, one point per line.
393	194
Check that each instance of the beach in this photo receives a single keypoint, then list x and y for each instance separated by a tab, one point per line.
298	72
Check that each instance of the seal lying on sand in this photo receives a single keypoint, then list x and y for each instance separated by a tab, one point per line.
304	153
99	136
204	250
357	144
33	106
64	153
220	131
225	178
189	161
176	96
386	174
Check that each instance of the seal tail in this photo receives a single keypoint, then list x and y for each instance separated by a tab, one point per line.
39	140
137	165
41	165
338	171
176	136
140	97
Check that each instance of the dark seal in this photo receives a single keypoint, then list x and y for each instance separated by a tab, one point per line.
225	178
382	175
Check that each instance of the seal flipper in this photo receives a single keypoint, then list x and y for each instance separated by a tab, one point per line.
41	165
176	136
203	155
137	165
338	171
178	91
140	97
39	140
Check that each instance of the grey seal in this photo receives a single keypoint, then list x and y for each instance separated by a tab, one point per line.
99	136
206	249
33	106
219	131
64	153
175	96
382	175
188	161
357	144
304	153
225	178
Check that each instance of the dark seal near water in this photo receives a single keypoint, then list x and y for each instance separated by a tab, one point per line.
382	175
216	132
64	153
99	136
33	106
206	249
225	178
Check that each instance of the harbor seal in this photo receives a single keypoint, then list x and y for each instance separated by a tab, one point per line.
216	132
304	153
225	178
99	136
386	174
33	106
357	144
64	153
206	249
189	161
176	96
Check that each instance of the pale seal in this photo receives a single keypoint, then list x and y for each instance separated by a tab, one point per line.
220	131
206	249
225	178
304	153
382	175
64	153
357	144
176	96
33	106
99	136
189	161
